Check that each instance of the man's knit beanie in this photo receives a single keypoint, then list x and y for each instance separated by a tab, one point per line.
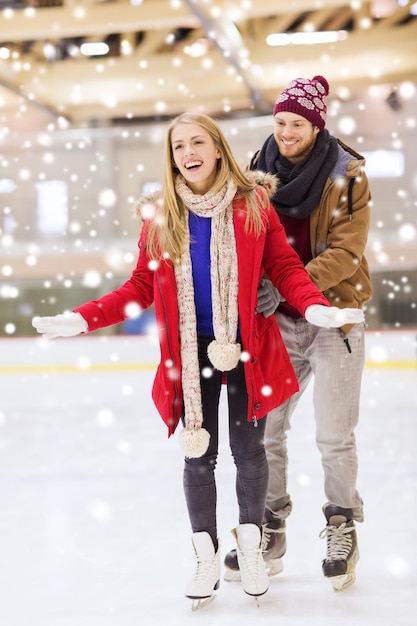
306	98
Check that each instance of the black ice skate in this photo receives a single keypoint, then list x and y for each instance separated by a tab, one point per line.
342	547
273	547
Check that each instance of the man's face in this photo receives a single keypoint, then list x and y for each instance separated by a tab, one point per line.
295	136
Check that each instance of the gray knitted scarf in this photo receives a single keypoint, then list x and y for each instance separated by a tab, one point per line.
300	185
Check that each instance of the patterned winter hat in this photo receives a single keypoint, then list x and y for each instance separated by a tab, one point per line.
306	98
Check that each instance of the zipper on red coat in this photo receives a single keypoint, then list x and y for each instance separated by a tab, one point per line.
167	335
254	418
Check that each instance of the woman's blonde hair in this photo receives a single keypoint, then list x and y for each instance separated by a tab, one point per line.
168	233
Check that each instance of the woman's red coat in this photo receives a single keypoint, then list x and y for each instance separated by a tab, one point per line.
270	377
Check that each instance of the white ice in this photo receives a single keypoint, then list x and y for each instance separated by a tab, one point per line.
93	525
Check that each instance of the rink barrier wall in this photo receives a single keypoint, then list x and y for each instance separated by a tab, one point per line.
384	349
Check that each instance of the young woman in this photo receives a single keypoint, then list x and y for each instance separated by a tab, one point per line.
207	239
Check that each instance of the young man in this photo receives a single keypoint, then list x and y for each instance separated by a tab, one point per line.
323	201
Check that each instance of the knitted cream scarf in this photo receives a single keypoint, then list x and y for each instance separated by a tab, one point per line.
223	352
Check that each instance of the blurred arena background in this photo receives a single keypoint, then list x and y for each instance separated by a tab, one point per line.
91	489
86	89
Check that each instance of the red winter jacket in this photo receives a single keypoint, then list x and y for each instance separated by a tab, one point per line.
270	377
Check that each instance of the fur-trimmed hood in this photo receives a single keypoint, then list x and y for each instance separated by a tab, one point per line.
262	179
145	202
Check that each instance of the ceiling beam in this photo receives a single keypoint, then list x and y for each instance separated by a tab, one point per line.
94	19
224	34
115	17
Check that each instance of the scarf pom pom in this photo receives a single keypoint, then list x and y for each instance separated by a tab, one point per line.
224	356
194	442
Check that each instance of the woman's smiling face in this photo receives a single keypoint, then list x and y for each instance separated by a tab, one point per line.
195	155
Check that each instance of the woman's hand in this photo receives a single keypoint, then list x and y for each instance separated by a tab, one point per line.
62	325
332	316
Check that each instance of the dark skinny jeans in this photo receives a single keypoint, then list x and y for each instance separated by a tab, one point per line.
247	446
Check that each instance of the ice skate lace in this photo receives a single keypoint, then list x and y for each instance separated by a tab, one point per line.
202	569
267	534
253	561
339	541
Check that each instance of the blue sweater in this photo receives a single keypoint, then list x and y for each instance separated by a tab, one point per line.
200	233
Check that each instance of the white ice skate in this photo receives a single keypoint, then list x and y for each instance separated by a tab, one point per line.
206	577
254	577
273	548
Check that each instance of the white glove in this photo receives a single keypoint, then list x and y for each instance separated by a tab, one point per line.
332	316
62	325
268	298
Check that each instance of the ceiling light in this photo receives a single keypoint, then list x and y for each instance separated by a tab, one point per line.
198	49
382	8
284	39
49	51
94	48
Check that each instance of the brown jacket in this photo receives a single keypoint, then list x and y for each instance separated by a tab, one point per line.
338	234
339	228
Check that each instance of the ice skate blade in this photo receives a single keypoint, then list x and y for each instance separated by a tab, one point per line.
256	598
342	582
273	567
200	603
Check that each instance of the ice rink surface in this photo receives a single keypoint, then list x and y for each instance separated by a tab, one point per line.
93	525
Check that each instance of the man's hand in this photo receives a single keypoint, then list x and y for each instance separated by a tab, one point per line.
268	298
